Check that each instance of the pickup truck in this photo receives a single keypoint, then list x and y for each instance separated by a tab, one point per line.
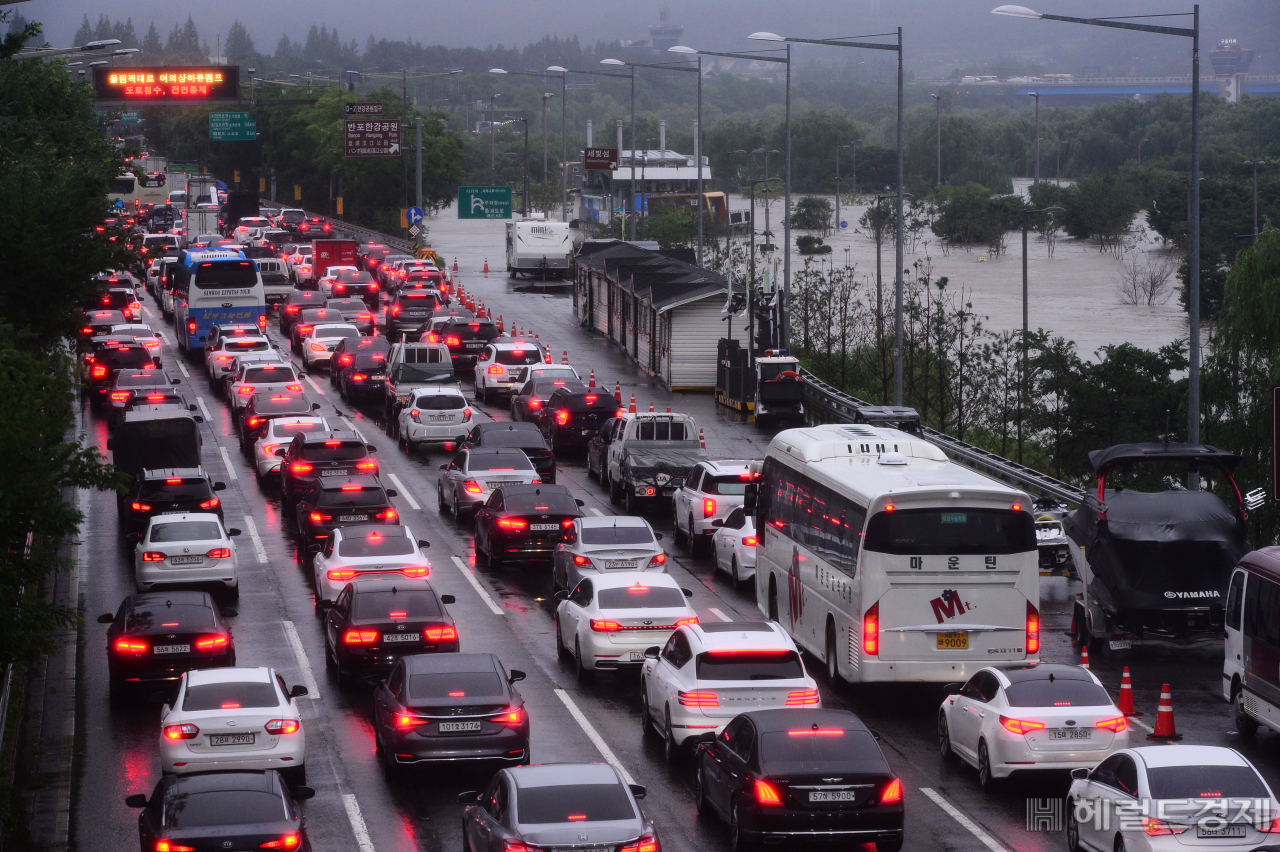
649	456
411	366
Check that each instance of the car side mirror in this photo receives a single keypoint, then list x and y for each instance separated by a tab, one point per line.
561	595
233	532
391	492
515	675
175	381
468	798
951	689
658	536
371	448
874	733
109	443
448	599
442	467
298	691
637	790
717	523
315	406
580	503
1080	773
133	538
678	482
301	794
106	618
230	612
219	486
198	419
687	593
193	407
137	800
652	653
280	451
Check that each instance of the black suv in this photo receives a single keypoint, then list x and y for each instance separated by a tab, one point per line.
357	284
408	310
521	436
572	415
295	303
364	378
320	456
263	407
163	491
344	354
102	366
339	501
466	339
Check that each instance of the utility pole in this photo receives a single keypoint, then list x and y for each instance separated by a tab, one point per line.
838	147
1036	181
417	124
493	129
937	102
1255	164
546	96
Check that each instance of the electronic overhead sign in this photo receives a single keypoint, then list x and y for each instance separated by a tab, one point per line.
168	83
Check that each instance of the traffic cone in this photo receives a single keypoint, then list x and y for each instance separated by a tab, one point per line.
455	264
1165	729
702	440
617	393
592	384
1125	701
651	408
631	409
486	266
668	409
1084	656
499	322
565	358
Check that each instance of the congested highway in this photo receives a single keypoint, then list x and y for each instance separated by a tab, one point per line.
508	611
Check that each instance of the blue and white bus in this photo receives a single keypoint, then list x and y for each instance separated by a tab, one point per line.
215	287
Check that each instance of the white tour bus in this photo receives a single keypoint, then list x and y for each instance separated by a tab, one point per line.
890	562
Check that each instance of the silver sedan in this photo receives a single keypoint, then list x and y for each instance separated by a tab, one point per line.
471	477
606	544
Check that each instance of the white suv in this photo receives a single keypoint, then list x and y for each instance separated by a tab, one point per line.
501	361
711	491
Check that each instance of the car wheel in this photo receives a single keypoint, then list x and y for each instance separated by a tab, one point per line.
700	792
671	749
496	560
629	501
737	842
647	727
944	737
488	396
677	537
457	510
393	771
734	574
691	538
1120	844
562	650
583	673
440	504
1073	829
1245	724
985	779
615	490
773	599
833	658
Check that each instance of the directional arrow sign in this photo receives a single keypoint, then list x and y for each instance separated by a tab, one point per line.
373	138
414	215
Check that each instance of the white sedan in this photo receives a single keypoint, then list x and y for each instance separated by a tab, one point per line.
606	544
234	718
188	548
254	377
279	433
363	550
734	545
1161	798
707	674
1028	717
318	347
608	622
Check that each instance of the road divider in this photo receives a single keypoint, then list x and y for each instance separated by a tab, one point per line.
475	584
593	735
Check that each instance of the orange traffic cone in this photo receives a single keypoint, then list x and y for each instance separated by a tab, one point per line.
651	408
486	266
1165	729
668	409
617	393
631	409
1125	701
1084	656
702	440
592	384
455	264
565	359
499	322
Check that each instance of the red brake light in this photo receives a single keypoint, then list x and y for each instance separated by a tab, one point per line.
209	643
645	843
169	846
766	793
99	371
1157	827
360	637
141	507
340	574
514	716
254	421
126	645
211	503
893	793
445	633
708	507
1116	725
181	732
562	417
389	514
802	697
1033	629
471	487
219	553
320	517
301	467
452	340
153	556
289	841
749	541
495	370
582	560
871	631
191	326
416	572
283	726
245	390
603	625
405	722
1020	726
697	699
513	524
367	465
658	559
119	396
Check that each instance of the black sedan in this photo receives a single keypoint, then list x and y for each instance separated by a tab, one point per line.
261	408
377	620
450	708
787	776
572	416
295	303
168	489
222	810
341	501
156	636
344	354
524	522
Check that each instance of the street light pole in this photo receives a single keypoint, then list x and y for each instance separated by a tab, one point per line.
1036	179
937	102
493	130
838	147
546	96
1022	377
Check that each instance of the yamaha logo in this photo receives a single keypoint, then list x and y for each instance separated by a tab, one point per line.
1185	595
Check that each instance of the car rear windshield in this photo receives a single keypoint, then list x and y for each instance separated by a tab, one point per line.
829	749
143	380
640	597
1205	782
169	619
257	345
175	488
183	809
617	535
275	406
522	440
440	372
1056	693
662	430
589	402
284	428
351	276
473	330
399	605
347	304
186	531
573	803
125	356
951	532
263	375
499	462
370	361
517	357
335	451
419	298
375	544
226	273
230	696
542	504
440	402
725	485
749	665
371	495
456	685
332	331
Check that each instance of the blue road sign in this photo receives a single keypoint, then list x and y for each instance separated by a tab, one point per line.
414	215
844	224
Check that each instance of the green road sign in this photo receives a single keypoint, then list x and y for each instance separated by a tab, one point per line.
484	202
232	127
131	117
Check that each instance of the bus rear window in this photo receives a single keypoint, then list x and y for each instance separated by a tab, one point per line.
235	273
951	532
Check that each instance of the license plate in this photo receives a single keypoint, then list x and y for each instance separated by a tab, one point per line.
1070	734
1121	644
173	649
957	640
186	560
347	519
1223	831
401	637
230	739
637	656
342	472
620	563
442	417
544	527
475	344
833	795
447	727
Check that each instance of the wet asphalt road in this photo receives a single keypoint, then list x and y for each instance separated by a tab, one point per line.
356	809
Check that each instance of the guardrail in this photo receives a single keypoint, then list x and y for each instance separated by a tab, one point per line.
338	225
826	404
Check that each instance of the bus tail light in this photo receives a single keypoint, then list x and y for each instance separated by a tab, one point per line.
871	631
1033	629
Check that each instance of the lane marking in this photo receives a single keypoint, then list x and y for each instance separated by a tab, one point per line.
594	736
311	382
985	839
177	359
165	338
599	514
208	418
226	459
404	492
720	615
257	542
358	827
475	584
1141	724
295	644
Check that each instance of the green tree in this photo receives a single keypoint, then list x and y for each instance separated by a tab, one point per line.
152	46
184	45
675	227
811	213
239	46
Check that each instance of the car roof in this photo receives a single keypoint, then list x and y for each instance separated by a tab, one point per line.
622	579
173	472
564	774
789	720
1042	671
261	781
364	480
156	520
1159	756
423	663
368	583
237	674
506	343
332	435
592	521
753	637
436	390
299	419
330	326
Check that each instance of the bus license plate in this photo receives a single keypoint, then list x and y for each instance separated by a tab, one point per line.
450	727
833	795
1070	734
1223	831
186	560
957	640
230	739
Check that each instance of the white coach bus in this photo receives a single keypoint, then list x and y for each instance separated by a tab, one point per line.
890	562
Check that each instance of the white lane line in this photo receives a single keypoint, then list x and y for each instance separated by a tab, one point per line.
475	584
985	839
358	827
165	338
226	459
404	492
593	735
720	615
1143	725
182	368
204	410
147	312
295	644
311	382
597	511
257	542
